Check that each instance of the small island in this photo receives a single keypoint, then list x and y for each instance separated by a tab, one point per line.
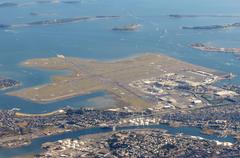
208	48
8	4
57	21
130	27
202	15
6	83
212	27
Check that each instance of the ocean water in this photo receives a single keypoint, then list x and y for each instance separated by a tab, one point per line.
95	39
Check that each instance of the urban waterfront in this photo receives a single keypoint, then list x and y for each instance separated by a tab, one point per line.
35	147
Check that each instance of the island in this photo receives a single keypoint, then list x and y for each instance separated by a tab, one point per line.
58	21
8	4
208	48
71	2
6	83
130	27
212	27
202	15
4	26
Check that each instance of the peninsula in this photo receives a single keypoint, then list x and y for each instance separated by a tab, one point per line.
138	82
